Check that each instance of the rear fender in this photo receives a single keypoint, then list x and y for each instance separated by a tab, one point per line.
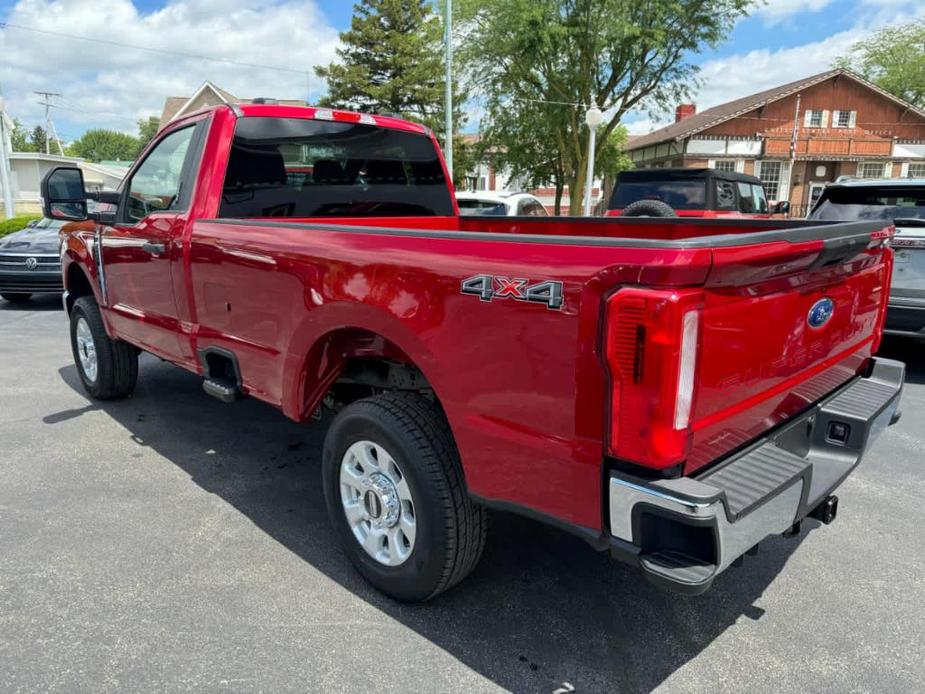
330	336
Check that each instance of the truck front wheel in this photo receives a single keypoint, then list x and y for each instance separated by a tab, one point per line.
108	368
396	496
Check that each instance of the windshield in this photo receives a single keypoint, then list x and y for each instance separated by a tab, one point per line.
481	207
874	202
681	195
294	167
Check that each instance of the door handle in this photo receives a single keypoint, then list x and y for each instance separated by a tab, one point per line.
153	248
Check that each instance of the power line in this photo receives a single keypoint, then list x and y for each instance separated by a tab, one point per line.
163	51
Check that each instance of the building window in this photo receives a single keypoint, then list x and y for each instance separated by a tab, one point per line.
870	169
815	119
916	171
770	175
725	165
843	119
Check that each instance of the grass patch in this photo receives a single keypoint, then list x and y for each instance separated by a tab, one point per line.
8	226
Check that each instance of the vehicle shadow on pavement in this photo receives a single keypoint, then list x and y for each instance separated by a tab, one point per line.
44	302
542	612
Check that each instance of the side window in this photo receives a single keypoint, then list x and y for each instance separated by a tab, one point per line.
746	201
523	208
761	202
155	185
725	195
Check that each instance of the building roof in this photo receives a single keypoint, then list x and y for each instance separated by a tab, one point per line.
175	106
732	109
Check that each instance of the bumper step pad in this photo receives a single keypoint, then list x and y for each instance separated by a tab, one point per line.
676	567
759	473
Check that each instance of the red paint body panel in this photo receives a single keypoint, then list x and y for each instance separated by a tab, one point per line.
525	388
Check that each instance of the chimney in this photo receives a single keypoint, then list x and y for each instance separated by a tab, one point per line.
684	111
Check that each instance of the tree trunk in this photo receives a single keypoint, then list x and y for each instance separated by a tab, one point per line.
557	210
576	188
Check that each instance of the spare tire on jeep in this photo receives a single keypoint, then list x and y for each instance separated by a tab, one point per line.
648	208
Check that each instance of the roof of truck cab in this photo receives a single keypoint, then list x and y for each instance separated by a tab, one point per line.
879	183
682	174
336	115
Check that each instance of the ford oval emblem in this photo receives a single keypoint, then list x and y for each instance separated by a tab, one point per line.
820	313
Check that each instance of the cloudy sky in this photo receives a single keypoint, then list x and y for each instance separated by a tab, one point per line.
270	47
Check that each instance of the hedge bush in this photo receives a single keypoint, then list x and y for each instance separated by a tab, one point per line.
8	226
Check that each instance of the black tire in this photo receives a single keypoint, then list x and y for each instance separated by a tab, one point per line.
16	298
117	361
450	527
648	208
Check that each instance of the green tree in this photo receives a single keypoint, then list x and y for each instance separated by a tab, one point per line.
99	144
545	61
391	61
893	59
19	138
38	138
147	129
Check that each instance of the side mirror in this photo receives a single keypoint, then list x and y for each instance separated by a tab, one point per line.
63	194
783	207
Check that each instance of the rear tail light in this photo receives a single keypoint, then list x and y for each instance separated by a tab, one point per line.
651	348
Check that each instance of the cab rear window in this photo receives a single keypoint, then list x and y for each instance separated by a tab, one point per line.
681	195
294	167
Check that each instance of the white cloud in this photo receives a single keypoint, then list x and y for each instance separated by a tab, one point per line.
109	86
775	11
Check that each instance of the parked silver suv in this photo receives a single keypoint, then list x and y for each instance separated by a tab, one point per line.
903	201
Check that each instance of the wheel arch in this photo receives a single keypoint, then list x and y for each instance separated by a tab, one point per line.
323	351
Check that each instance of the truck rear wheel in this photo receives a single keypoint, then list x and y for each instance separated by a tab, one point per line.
108	368
396	496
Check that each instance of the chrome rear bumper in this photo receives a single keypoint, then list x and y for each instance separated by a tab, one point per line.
684	532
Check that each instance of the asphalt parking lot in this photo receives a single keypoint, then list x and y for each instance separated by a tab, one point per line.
170	542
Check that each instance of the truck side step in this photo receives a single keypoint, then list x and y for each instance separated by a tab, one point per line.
677	568
225	391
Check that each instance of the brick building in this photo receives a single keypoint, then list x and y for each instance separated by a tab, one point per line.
796	137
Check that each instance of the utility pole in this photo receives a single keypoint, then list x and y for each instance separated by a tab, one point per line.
49	125
448	41
5	177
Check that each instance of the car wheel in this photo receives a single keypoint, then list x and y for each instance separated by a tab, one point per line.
16	298
108	368
396	496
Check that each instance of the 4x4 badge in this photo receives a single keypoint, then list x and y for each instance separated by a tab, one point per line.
488	287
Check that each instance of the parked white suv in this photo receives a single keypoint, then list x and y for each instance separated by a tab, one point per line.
903	201
500	204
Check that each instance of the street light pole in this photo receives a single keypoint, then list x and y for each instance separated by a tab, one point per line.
448	43
593	118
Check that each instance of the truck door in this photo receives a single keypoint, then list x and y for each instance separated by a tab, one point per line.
142	249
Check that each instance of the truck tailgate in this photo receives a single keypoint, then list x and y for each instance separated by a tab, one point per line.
782	325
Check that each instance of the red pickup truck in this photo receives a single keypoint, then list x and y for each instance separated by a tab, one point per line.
671	390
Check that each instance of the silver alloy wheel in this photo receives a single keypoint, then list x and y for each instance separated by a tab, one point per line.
377	503
86	349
